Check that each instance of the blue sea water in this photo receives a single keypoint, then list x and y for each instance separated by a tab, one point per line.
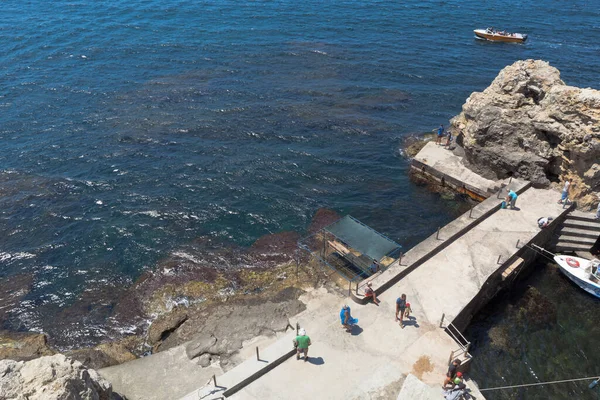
131	128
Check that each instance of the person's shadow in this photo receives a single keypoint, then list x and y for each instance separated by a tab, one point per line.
411	321
355	330
316	360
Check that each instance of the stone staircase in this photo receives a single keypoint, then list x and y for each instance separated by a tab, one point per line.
579	233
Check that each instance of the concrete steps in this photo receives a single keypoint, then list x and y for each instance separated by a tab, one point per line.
579	233
577	239
571	247
577	223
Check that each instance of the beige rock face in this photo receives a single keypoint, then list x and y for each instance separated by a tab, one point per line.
529	124
51	378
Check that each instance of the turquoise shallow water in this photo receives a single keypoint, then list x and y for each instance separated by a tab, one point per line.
131	129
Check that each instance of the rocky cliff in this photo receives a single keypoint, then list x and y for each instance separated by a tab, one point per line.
529	124
52	378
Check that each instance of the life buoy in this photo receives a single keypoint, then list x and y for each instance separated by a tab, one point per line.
572	262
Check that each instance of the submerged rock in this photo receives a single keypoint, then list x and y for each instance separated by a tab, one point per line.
52	377
23	346
529	124
536	310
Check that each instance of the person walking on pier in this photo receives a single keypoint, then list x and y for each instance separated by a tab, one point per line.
564	197
302	342
346	318
401	308
440	133
511	199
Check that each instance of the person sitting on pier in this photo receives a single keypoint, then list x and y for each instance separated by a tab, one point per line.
369	292
374	266
452	372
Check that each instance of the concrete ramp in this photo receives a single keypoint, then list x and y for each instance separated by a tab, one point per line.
414	389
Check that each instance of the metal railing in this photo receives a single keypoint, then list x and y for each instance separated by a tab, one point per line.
459	338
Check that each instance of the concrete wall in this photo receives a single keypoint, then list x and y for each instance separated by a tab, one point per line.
496	284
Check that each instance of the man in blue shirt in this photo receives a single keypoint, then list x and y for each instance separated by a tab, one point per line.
440	133
511	199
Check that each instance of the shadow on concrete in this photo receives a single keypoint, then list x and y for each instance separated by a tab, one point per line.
316	360
411	321
356	330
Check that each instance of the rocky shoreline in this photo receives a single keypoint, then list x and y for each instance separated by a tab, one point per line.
183	300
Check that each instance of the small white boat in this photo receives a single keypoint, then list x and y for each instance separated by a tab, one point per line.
499	36
585	273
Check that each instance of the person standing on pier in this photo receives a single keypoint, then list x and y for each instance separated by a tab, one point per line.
564	197
302	342
401	308
440	133
511	199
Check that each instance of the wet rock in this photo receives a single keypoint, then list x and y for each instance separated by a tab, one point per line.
529	124
102	356
165	324
23	346
52	377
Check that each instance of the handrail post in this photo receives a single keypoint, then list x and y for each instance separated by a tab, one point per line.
215	380
437	236
499	257
442	321
349	288
257	355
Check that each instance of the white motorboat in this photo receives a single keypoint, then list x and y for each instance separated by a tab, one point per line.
585	273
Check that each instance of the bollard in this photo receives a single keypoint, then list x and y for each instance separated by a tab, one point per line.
518	240
437	235
442	321
498	262
257	355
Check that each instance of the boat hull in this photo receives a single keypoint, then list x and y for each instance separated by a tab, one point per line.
578	275
494	37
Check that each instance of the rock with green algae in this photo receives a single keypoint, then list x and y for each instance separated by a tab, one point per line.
536	311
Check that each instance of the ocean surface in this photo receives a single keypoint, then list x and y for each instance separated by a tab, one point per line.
131	130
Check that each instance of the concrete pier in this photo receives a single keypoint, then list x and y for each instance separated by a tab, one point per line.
447	278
